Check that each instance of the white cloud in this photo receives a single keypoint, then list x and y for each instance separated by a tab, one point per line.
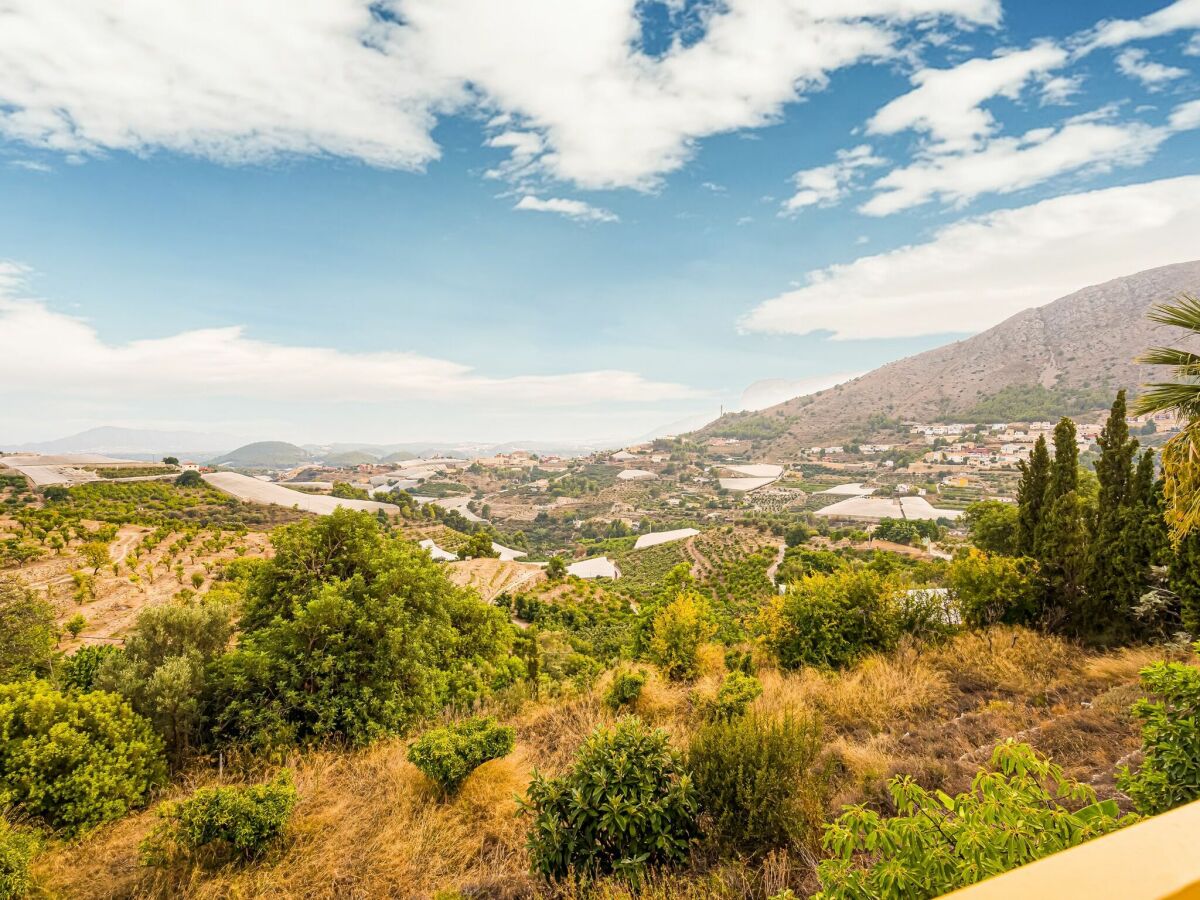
825	185
1058	90
572	209
1008	164
1192	47
946	104
71	360
974	273
1178	16
1133	62
236	81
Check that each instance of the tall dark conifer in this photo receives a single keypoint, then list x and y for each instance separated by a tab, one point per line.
1115	583
1061	546
1031	496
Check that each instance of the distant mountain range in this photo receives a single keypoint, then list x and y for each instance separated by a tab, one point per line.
1065	358
137	443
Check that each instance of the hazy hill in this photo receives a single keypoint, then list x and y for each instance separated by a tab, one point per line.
1064	358
136	442
265	455
350	458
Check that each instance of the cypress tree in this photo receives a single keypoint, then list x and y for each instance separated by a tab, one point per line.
1116	583
1185	581
1061	545
1031	496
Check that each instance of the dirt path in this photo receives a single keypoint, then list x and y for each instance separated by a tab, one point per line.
774	567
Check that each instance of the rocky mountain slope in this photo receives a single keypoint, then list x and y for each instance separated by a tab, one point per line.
1066	357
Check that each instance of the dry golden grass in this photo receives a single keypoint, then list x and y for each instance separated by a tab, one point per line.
1008	662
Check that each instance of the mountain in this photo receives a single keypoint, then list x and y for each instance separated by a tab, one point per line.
1067	357
350	458
136	443
265	455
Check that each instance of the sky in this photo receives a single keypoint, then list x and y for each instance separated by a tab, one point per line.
503	220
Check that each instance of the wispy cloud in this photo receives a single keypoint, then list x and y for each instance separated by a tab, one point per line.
976	272
572	209
1135	63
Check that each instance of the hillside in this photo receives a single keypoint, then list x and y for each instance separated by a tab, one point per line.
265	455
1064	358
351	458
136	442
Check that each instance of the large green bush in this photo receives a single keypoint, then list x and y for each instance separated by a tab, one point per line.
349	633
830	619
27	631
17	847
79	670
756	781
1170	772
447	755
677	632
74	760
626	804
1023	810
229	821
992	590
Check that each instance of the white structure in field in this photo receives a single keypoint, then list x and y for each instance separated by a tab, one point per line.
507	554
853	489
872	509
753	477
437	552
635	475
654	538
597	567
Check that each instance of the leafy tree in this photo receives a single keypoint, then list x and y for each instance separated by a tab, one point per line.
1064	560
1031	496
76	624
95	554
447	755
349	633
1023	810
170	460
163	670
991	590
993	526
626	804
1181	455
757	782
28	629
556	568
79	670
234	820
479	546
189	479
74	760
829	620
345	491
1170	772
679	629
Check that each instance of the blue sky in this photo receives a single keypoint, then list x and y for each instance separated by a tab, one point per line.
494	221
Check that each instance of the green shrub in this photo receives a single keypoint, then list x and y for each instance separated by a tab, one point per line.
756	782
231	821
626	804
626	687
27	627
17	848
830	619
74	760
677	632
733	697
447	755
1170	771
992	590
938	843
78	671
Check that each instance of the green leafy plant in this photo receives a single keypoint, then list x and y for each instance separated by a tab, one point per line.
447	755
992	590
27	627
74	760
1023	810
626	687
737	691
78	671
17	847
757	782
239	821
677	632
1170	772
626	804
76	624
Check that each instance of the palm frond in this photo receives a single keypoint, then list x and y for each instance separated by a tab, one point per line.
1187	362
1181	482
1182	312
1183	397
